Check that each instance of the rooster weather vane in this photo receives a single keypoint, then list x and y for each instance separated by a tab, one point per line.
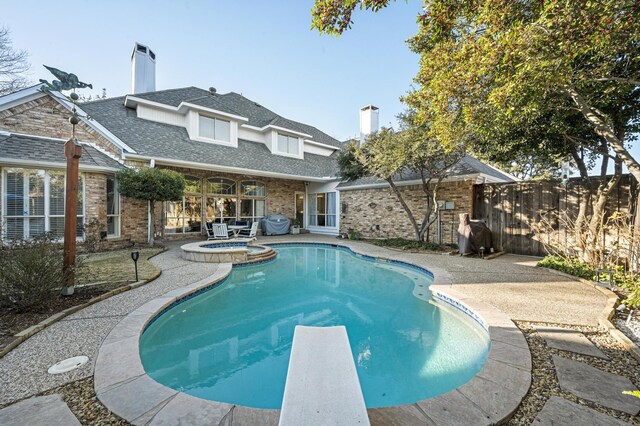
66	81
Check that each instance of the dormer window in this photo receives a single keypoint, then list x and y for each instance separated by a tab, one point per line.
214	129
288	145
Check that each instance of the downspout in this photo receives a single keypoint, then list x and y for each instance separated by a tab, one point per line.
152	164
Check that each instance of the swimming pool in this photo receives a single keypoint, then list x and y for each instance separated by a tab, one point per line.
232	343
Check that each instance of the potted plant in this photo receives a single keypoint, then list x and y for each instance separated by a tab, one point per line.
295	226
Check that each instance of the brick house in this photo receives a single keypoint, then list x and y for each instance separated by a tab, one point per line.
241	162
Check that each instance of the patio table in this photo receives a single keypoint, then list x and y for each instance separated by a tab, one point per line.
236	229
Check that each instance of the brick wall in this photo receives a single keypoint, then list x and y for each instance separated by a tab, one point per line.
46	117
368	208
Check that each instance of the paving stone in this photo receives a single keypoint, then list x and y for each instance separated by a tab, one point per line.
188	410
495	399
404	415
38	411
559	411
596	385
516	356
133	399
453	408
506	375
245	416
569	340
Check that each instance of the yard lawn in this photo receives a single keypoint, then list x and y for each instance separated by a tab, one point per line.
98	274
115	267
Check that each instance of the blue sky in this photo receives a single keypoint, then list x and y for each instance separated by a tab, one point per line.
262	49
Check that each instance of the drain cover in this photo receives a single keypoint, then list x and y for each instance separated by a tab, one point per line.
68	364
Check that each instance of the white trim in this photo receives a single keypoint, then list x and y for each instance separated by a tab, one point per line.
52	165
472	176
217	168
132	101
205	139
272	127
21	96
283	129
276	145
323	145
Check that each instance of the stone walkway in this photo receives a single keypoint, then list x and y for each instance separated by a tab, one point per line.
584	381
510	283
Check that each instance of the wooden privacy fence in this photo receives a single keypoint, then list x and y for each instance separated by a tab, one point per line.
511	209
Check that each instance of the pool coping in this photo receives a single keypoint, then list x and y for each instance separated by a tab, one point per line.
490	397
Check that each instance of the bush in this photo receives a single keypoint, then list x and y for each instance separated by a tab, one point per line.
30	272
573	267
403	244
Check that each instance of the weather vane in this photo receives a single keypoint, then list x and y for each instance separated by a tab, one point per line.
67	81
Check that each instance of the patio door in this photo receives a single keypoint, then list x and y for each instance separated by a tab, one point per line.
300	208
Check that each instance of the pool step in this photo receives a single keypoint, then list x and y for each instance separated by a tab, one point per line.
322	385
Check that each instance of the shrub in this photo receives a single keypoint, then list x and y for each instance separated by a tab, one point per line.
573	267
405	244
30	272
353	234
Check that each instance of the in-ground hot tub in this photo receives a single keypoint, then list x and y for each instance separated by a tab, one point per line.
231	251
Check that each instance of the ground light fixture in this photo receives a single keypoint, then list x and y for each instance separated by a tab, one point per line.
135	255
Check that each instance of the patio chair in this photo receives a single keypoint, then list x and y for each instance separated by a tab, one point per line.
220	231
250	233
209	228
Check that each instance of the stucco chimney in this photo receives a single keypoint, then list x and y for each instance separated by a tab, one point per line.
143	69
368	121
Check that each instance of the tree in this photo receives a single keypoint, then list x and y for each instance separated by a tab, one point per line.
153	185
489	68
13	65
389	155
505	61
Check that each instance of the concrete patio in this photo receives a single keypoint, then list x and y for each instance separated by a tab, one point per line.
508	283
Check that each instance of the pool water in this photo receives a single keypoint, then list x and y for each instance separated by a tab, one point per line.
232	343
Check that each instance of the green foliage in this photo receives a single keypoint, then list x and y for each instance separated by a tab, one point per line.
353	234
403	244
350	168
30	272
573	267
521	79
151	184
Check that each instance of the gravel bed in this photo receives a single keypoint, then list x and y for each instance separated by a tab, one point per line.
631	330
85	405
544	382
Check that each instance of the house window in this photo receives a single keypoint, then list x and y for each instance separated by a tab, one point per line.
288	144
214	128
185	216
34	203
253	202
322	209
113	207
252	188
221	200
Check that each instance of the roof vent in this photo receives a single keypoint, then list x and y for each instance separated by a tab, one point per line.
212	90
